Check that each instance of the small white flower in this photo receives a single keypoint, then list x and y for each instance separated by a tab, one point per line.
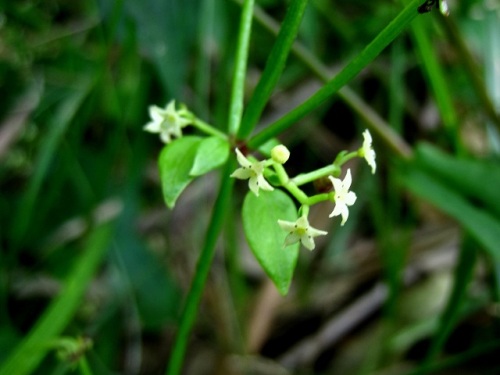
167	122
253	171
366	151
343	197
300	231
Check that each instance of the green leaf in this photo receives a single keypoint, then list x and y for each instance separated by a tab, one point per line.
212	153
266	238
481	225
476	179
176	161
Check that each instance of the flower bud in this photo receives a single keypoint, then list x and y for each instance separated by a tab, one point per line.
280	154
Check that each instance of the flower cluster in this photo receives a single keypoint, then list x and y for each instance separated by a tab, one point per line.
168	122
300	230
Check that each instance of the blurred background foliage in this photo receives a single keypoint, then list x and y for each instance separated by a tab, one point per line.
411	284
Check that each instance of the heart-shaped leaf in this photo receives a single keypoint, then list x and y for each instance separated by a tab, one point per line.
175	163
266	238
212	153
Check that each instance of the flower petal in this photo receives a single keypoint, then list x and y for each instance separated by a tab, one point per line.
242	160
346	184
263	184
291	239
242	173
316	232
253	184
350	198
308	242
337	210
287	226
152	127
336	182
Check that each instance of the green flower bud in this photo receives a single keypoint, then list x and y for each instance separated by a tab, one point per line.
280	154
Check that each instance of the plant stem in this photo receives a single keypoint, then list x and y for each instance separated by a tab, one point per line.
372	119
207	128
318	198
202	269
236	106
304	178
383	39
84	366
288	184
274	67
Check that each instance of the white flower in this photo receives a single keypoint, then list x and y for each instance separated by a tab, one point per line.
366	151
300	231
343	197
253	171
167	122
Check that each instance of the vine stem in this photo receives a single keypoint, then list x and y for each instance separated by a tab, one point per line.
202	269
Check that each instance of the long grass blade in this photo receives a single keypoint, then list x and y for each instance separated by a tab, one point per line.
31	351
382	40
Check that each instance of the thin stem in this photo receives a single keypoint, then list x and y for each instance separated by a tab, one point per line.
84	366
201	273
348	73
207	128
236	105
372	119
434	73
304	178
274	67
345	158
288	184
296	192
318	198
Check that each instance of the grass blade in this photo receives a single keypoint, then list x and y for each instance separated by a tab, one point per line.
31	351
382	40
48	148
238	86
274	67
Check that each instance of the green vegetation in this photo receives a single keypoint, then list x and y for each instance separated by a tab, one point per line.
120	254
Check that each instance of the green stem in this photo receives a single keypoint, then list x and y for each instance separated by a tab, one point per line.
304	210
372	119
201	273
236	106
304	178
345	158
434	73
274	67
207	128
84	366
348	73
288	184
318	198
